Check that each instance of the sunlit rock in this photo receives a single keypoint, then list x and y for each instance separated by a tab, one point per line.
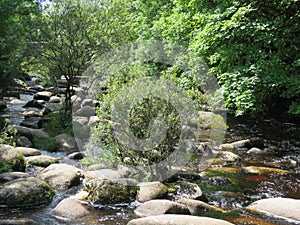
159	207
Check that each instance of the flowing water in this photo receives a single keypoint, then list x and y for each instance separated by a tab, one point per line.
281	141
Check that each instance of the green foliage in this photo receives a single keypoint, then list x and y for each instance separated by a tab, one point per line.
8	134
17	22
48	144
251	46
58	123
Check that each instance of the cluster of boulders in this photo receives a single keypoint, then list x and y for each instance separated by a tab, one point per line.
179	200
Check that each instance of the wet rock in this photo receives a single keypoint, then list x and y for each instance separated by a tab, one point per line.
151	190
23	141
41	160
190	190
82	195
2	105
226	156
177	219
111	191
255	151
31	133
34	104
159	207
61	176
9	176
70	209
66	143
37	88
264	170
76	155
278	207
18	222
32	112
227	147
242	144
86	111
11	159
43	95
198	207
230	170
55	99
24	192
32	122
28	151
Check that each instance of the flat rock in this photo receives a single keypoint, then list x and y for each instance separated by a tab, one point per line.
227	156
9	176
28	151
285	208
43	95
41	160
159	207
70	208
34	104
61	176
32	112
264	170
55	99
24	192
151	190
198	207
178	219
109	174
31	133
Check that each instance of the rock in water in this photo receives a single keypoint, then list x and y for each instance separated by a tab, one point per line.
11	159
178	219
24	192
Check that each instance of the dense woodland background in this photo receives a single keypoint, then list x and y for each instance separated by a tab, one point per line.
251	46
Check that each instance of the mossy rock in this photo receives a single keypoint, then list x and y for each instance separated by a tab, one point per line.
11	159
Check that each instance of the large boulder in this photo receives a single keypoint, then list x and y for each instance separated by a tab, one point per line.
86	111
178	219
43	95
61	176
23	141
32	122
103	191
34	104
55	99
70	208
286	208
159	207
11	159
24	192
33	112
28	151
31	133
190	190
66	143
151	190
41	160
108	174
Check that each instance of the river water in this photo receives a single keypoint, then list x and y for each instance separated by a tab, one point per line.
281	141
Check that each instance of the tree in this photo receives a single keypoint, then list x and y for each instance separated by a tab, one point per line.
17	22
74	32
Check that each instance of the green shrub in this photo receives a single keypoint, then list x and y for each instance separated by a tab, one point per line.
48	144
58	123
8	133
